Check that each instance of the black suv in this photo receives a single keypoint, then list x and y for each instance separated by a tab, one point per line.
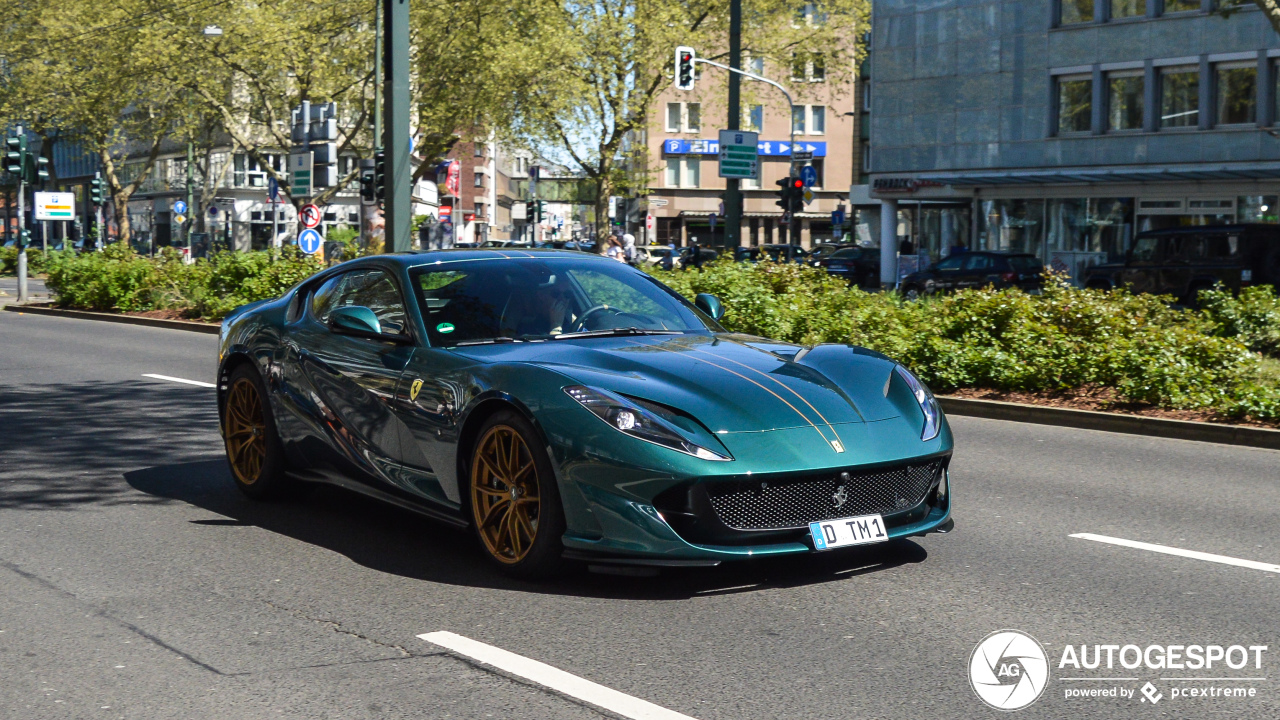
1183	261
975	270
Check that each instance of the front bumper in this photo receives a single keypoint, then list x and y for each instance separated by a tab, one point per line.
640	534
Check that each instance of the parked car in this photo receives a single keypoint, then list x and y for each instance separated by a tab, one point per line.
1183	261
495	243
975	270
777	253
825	250
859	265
705	255
653	254
560	245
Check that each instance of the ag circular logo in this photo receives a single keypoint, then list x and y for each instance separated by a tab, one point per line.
1008	670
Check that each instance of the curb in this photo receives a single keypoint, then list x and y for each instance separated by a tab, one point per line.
1113	422
187	325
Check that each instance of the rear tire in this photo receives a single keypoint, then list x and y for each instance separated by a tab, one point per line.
253	447
516	511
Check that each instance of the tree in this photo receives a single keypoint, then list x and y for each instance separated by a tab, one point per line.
589	108
1272	10
77	76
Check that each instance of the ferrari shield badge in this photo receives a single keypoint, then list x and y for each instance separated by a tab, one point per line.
414	389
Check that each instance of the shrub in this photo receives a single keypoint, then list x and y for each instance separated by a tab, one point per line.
1252	317
37	263
1064	339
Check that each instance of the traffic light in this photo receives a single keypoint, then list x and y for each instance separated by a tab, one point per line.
15	153
685	76
539	205
368	186
797	195
530	211
96	187
784	194
24	237
380	174
39	167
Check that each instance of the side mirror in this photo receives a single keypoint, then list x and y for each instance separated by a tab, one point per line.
709	304
354	320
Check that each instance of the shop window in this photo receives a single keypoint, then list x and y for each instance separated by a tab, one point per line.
1179	97
1258	208
1128	8
1075	104
1237	93
1124	92
818	119
1075	11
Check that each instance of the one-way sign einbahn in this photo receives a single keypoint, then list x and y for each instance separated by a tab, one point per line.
766	148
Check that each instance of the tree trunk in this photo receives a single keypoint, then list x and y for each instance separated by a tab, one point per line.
1272	10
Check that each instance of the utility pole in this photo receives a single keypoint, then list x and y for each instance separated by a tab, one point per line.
395	134
377	71
191	202
732	193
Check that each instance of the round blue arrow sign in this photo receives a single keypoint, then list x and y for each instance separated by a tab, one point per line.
808	175
179	207
309	241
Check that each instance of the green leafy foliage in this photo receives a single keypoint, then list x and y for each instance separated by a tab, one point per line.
37	263
1252	317
120	280
1065	338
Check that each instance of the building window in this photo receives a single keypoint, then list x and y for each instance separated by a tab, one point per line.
1128	8
866	157
756	65
673	117
1125	100
673	172
1075	104
1179	97
817	69
750	184
797	118
692	171
808	67
755	118
1237	94
866	94
693	117
1076	11
479	149
479	180
1177	6
818	119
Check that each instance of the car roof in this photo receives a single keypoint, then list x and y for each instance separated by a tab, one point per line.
1202	229
415	259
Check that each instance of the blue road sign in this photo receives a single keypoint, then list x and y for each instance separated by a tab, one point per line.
309	241
808	175
179	207
273	189
837	217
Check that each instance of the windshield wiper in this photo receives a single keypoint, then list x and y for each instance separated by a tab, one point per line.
489	341
615	332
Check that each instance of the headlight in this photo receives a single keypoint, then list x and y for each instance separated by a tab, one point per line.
928	405
630	418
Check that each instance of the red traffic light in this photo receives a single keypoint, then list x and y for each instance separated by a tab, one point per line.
797	183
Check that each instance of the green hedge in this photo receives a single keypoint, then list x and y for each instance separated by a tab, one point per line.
1063	339
36	262
118	279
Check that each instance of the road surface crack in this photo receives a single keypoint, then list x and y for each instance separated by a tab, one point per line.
337	627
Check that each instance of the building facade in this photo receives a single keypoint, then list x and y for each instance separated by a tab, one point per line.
684	202
1063	127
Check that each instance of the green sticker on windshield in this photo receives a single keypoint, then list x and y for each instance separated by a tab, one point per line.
444	328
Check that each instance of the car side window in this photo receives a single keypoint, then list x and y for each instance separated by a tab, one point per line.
375	290
977	262
951	263
1145	249
322	300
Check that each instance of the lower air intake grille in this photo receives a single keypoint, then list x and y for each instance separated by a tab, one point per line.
796	502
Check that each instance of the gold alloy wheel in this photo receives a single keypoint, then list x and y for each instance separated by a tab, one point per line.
504	494
246	431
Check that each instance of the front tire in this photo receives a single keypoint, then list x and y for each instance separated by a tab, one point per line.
515	502
253	446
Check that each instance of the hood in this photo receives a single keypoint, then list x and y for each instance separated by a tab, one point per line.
731	383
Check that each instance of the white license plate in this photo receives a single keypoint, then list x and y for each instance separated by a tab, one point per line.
861	530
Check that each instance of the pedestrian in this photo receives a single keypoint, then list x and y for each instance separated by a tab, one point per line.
615	249
629	248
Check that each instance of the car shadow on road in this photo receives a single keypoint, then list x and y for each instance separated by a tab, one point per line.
395	541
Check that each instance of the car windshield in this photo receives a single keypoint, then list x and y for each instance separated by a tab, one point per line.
1024	264
540	298
847	254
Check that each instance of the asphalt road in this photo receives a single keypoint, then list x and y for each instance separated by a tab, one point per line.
136	582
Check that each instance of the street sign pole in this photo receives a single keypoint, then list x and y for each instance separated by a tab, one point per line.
733	193
395	124
191	197
22	246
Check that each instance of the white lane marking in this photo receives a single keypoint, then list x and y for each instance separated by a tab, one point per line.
553	678
185	381
1194	554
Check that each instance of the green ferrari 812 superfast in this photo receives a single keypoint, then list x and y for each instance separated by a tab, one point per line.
571	409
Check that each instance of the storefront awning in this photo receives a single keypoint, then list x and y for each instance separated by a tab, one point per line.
1079	176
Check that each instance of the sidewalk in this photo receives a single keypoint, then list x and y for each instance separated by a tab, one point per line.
9	290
